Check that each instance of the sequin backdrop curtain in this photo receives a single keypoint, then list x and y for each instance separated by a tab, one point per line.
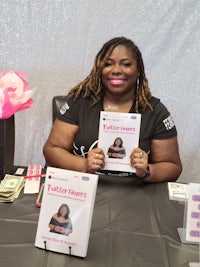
55	42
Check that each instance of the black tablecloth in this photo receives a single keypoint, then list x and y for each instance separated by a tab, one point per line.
134	225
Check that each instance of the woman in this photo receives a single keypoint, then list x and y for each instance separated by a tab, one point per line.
116	83
117	150
60	222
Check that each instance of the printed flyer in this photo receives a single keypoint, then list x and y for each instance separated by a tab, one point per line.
118	135
193	213
66	211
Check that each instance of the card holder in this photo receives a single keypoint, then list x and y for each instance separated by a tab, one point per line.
38	202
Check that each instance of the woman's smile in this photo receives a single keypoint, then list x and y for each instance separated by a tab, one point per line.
120	72
117	82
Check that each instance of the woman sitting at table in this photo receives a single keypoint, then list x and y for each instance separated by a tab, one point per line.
117	83
60	222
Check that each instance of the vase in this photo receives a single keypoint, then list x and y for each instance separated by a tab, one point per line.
7	145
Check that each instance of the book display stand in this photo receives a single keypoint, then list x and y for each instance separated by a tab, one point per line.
190	233
182	231
69	253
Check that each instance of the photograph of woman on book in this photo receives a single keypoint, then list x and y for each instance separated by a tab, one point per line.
116	150
60	222
116	83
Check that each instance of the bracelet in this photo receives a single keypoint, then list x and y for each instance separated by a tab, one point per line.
147	173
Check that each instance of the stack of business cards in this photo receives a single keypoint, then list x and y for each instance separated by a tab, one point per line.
178	191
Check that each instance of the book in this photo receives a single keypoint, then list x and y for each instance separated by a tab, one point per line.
66	212
118	136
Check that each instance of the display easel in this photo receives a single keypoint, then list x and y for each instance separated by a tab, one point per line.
182	232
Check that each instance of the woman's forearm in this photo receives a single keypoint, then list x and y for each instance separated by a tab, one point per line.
61	158
164	171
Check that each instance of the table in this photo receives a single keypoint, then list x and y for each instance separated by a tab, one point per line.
134	225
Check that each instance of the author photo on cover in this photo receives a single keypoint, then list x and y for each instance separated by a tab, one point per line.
116	150
60	222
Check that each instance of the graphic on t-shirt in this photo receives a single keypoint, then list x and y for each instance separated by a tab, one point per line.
60	222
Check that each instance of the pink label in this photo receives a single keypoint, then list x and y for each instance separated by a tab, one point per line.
194	233
196	198
195	215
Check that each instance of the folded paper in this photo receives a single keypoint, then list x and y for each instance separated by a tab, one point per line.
15	94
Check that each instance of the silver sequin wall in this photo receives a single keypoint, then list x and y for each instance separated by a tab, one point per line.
55	42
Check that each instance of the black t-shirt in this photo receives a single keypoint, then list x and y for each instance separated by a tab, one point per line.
66	225
156	124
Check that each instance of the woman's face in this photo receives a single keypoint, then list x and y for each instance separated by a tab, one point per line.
120	72
63	211
118	142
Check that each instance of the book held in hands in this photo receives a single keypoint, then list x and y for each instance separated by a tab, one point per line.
118	136
66	211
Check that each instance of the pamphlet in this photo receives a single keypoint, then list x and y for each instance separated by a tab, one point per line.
32	184
118	136
193	213
66	211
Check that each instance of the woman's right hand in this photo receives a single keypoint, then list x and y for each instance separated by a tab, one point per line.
95	160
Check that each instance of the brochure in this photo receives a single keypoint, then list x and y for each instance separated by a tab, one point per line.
66	211
193	213
118	135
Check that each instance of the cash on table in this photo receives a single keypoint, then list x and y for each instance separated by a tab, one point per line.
11	187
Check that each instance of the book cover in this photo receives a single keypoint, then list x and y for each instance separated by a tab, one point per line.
118	136
66	211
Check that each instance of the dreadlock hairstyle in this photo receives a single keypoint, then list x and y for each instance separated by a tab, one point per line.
92	87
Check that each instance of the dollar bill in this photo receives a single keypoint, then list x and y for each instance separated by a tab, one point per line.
11	187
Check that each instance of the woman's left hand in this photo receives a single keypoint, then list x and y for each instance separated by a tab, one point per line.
139	160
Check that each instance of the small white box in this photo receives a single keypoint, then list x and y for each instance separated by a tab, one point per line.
178	191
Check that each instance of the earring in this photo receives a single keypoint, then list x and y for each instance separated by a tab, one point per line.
99	83
137	85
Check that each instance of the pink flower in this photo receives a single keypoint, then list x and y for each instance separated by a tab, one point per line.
14	93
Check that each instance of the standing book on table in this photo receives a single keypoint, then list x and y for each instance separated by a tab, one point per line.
68	232
123	126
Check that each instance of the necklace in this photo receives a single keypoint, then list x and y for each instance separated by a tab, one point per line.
108	106
111	107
